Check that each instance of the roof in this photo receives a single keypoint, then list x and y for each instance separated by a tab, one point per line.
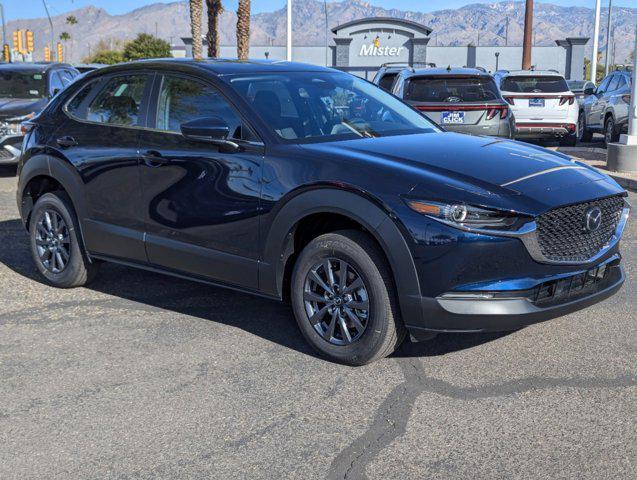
33	66
396	21
533	73
219	66
446	72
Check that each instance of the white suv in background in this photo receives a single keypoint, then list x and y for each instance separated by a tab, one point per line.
542	103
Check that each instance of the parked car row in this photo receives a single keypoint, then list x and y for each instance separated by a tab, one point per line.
541	104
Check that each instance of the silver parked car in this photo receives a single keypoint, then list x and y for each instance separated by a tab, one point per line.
605	109
464	100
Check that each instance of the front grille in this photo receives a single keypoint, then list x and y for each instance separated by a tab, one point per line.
562	233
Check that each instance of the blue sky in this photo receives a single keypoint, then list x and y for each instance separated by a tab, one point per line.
33	8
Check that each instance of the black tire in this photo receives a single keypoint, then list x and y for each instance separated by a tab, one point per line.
569	140
384	330
584	134
610	131
77	269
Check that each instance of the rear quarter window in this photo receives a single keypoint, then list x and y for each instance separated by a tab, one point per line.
387	81
530	84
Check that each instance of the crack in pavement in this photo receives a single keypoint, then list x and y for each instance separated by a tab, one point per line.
390	419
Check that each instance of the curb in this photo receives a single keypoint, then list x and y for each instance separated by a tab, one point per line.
627	183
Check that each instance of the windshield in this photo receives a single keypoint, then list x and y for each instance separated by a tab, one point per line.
316	106
576	84
22	85
451	89
525	84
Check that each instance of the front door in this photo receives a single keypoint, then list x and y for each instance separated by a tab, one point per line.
100	137
201	201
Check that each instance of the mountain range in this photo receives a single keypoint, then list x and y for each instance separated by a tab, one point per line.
479	23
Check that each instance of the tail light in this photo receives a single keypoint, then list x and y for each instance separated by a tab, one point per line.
510	100
626	99
569	98
492	112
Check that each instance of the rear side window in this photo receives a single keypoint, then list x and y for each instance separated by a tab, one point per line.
614	84
119	101
182	100
539	84
387	81
451	89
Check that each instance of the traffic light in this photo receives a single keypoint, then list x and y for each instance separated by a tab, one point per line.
30	43
47	54
60	51
6	53
17	41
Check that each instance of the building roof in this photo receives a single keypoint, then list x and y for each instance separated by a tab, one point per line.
409	24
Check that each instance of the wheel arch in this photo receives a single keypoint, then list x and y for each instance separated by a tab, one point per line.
375	218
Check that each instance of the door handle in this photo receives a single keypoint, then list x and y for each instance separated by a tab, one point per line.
66	142
153	158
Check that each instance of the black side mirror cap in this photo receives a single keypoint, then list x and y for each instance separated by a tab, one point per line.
589	91
210	129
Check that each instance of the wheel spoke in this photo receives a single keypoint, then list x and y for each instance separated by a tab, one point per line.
347	337
358	304
53	261
355	285
59	261
55	222
47	221
318	316
315	276
42	230
342	273
46	255
40	242
357	323
329	333
65	254
329	273
313	297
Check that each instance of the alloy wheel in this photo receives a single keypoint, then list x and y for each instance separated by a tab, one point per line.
336	301
52	241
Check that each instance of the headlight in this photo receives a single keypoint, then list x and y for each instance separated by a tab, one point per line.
22	118
468	216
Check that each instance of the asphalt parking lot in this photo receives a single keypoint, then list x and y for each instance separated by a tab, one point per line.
146	376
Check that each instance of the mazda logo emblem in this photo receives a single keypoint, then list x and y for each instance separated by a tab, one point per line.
592	219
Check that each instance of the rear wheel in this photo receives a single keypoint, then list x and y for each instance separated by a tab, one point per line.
55	243
584	135
610	131
344	300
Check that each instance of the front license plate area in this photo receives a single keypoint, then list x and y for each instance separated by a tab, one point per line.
452	118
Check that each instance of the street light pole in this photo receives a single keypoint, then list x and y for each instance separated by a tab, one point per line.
528	35
326	27
608	28
632	113
598	11
289	39
46	9
4	27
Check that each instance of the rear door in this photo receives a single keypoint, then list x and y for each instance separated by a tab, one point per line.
201	202
100	137
598	104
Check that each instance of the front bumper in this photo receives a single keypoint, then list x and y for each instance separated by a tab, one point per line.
506	310
10	149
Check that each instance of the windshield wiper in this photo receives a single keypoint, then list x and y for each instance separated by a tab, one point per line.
359	131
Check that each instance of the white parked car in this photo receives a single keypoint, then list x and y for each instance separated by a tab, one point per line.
542	103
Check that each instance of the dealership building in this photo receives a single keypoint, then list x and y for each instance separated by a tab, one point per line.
362	46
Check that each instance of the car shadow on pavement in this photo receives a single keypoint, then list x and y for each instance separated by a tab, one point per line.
7	171
265	318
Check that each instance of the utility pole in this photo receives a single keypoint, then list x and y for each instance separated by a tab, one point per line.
598	12
608	29
46	9
4	27
506	31
326	27
528	35
289	39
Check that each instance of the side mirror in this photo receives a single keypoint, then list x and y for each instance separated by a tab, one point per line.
589	91
209	129
55	92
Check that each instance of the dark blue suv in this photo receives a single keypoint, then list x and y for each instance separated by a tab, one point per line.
314	186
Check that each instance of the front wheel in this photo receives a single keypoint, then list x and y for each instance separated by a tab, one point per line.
55	242
344	300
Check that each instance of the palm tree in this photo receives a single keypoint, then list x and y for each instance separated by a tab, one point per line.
215	8
243	29
196	12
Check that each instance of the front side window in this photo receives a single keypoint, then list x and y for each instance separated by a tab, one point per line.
119	101
22	85
182	100
320	106
530	84
451	89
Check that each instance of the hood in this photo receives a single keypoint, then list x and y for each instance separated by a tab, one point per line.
484	166
14	107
